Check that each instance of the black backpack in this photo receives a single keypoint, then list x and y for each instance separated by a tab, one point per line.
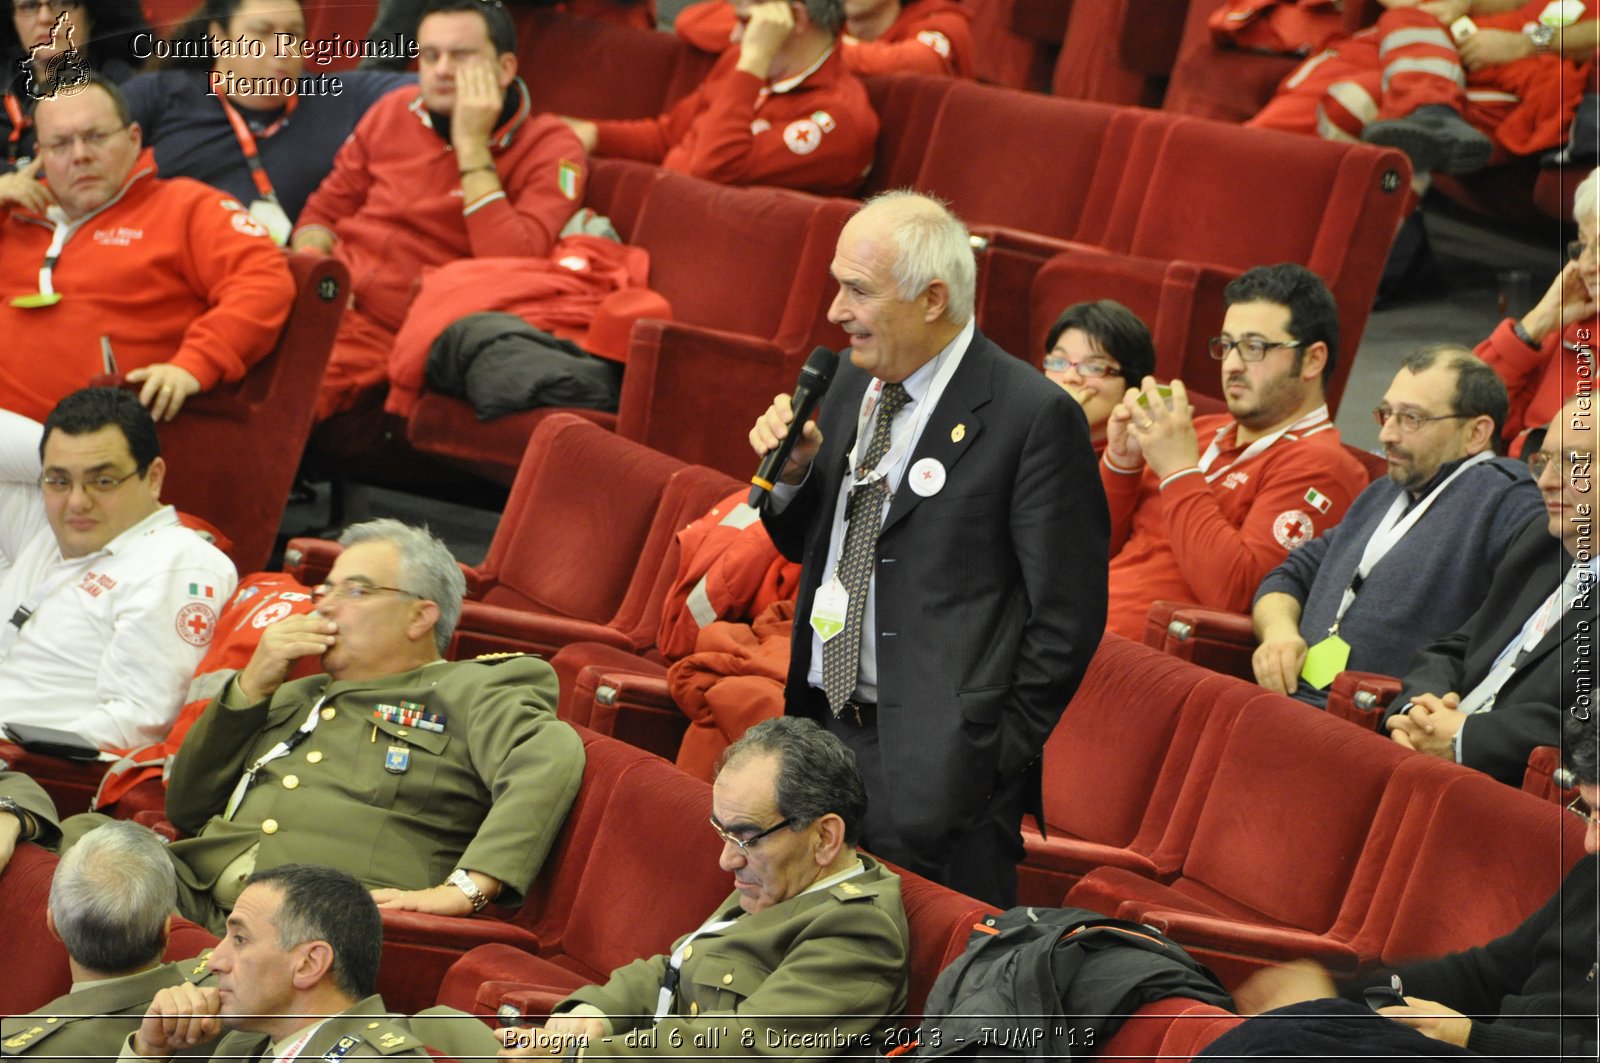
1044	983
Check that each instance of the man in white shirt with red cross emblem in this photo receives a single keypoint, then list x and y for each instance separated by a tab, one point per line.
1203	508
107	602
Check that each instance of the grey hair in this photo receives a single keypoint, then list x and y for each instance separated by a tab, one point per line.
931	244
427	568
111	896
817	772
825	14
1586	199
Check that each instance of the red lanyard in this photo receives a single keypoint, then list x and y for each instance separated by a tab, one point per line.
20	124
247	141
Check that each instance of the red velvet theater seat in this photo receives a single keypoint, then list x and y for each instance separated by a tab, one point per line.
597	69
418	949
1286	772
652	829
907	106
1114	764
1118	51
234	451
940	921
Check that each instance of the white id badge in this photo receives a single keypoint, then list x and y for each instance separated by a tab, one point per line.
828	609
271	215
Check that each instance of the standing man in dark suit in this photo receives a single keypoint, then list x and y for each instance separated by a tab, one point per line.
1486	694
945	506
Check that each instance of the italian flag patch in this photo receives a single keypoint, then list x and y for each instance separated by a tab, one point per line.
198	590
1321	502
567	178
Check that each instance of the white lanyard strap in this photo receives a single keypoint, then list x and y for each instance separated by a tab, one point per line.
1393	528
1564	597
282	749
1320	414
44	589
948	364
669	980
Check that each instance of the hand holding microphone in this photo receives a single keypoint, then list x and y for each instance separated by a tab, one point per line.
786	450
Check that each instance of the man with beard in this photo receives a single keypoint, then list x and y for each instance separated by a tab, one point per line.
463	168
1203	508
1414	556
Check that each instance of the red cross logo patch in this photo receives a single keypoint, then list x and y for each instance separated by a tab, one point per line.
1292	527
196	623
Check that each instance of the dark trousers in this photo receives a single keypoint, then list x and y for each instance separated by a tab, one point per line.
982	860
1328	1029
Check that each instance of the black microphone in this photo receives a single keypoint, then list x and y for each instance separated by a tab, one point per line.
815	376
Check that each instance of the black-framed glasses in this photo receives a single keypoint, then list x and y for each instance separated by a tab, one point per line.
1088	368
1571	461
1409	422
351	591
104	484
1580	808
1251	348
1575	249
744	845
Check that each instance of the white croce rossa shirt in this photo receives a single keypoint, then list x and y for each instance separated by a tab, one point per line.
113	638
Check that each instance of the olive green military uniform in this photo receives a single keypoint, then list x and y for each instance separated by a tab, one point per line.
95	1021
392	803
30	796
813	975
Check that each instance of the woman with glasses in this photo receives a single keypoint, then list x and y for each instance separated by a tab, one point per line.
101	32
1096	352
1543	355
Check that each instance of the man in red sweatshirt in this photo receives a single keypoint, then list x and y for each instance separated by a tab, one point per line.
880	36
105	267
779	109
1203	508
461	169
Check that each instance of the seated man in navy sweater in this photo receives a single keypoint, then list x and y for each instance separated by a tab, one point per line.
1529	994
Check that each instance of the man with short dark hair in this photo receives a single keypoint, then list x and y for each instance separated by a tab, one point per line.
111	906
1203	508
1416	553
440	784
113	269
460	166
109	602
1527	995
296	978
1489	692
812	943
778	109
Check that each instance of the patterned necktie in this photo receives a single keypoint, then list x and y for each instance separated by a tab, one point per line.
841	655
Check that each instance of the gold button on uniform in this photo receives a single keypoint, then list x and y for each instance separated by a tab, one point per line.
688	950
269	826
727	979
372	1026
291	781
401	732
52	1019
329	713
314	757
694	1008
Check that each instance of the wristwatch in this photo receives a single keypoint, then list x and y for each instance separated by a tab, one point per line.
1540	34
463	882
9	804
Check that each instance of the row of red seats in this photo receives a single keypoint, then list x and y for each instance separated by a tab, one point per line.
1254	829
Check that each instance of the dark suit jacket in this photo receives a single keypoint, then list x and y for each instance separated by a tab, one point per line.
990	594
1528	710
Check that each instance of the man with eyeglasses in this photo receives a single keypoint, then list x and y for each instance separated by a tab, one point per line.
807	956
1413	558
107	602
1548	354
1490	691
106	268
1529	994
1203	508
440	785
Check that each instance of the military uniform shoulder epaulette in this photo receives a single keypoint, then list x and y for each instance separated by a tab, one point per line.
199	971
384	1037
497	658
848	891
31	1031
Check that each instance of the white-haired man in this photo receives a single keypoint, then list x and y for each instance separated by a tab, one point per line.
944	634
